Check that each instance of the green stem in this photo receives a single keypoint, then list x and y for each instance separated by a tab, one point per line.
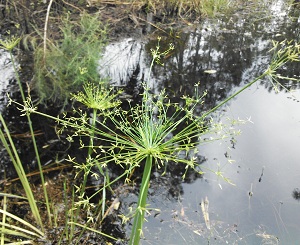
90	150
89	158
3	218
141	207
14	156
93	133
34	144
234	95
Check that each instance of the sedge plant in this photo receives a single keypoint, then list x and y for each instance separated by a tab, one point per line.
157	131
153	133
98	98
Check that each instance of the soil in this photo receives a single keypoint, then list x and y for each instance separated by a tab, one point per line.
25	18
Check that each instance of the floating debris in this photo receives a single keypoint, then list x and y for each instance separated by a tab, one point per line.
204	208
210	71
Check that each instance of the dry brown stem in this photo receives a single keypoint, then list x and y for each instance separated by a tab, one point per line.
45	29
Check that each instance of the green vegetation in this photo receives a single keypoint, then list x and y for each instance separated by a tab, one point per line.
67	63
181	8
9	45
212	8
155	132
8	229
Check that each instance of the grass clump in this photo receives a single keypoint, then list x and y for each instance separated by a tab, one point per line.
211	8
7	229
65	64
191	8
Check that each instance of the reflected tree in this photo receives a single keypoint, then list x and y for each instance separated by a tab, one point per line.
296	194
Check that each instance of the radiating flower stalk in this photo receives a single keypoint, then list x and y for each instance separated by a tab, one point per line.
99	98
283	52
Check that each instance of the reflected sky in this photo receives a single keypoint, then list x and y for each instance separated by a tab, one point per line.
270	143
6	70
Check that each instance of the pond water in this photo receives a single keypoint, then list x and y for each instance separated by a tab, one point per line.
262	207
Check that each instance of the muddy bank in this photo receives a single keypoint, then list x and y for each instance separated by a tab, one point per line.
25	17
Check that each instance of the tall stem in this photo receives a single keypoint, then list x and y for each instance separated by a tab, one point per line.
14	156
234	95
85	175
34	144
141	207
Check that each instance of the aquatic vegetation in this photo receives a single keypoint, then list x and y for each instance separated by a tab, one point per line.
10	43
181	8
30	232
14	157
101	96
284	52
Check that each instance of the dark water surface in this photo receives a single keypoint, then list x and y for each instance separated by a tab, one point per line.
263	163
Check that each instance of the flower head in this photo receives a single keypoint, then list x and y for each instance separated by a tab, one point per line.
9	43
97	97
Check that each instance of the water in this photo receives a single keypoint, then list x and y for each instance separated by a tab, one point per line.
6	75
269	145
261	207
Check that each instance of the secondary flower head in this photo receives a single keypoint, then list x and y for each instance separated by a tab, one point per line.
9	43
97	97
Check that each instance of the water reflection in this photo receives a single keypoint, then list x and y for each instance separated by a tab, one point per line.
296	194
237	49
6	76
